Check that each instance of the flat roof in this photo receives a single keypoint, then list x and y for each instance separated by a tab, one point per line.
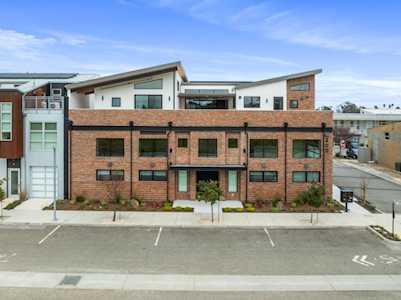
37	75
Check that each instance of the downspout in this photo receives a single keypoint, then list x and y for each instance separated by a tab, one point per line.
285	161
170	125
323	156
131	129
247	160
174	87
70	124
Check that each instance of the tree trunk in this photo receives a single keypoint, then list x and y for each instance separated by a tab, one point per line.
211	206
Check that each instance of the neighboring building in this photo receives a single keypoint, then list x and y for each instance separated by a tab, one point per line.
28	135
385	145
354	127
153	134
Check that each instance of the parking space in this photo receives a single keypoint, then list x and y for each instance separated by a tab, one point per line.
253	251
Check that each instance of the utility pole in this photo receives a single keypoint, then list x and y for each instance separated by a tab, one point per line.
54	185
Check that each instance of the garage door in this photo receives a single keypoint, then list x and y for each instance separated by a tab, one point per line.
42	182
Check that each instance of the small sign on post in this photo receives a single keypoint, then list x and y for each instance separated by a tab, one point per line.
346	196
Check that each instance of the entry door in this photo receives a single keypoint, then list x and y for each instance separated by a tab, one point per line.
13	182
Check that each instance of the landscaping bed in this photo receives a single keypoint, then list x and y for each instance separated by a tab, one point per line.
385	233
267	207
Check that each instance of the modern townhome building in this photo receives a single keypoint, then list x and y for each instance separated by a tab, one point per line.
154	134
353	127
32	111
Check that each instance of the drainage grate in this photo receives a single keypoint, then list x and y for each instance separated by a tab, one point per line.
70	280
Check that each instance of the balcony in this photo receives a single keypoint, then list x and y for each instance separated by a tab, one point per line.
206	99
43	103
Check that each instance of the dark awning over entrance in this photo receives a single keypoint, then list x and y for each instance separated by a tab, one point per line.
208	167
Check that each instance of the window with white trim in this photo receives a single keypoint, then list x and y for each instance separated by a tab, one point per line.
6	116
43	136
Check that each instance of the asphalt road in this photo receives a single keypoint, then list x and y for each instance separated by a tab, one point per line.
66	294
195	251
380	192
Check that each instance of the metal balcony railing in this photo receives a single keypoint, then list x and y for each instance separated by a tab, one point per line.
43	102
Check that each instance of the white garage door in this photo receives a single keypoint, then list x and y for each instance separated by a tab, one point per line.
42	182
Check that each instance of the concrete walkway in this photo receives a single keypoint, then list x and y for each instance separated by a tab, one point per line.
173	282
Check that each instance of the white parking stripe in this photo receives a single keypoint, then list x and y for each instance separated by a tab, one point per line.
158	236
49	234
268	235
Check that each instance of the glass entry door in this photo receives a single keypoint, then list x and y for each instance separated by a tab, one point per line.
13	182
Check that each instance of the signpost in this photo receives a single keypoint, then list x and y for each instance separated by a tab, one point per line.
54	185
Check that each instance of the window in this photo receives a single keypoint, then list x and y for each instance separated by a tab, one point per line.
153	147
293	103
109	175
56	92
178	86
306	149
110	147
182	181
263	176
148	101
306	176
149	85
182	143
251	102
263	148
232	143
116	102
207	148
43	136
6	113
205	103
300	87
152	175
278	103
232	181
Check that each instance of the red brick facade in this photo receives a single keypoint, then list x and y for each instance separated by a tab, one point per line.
306	99
226	124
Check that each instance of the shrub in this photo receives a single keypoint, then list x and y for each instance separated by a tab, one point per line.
227	209
293	204
188	209
275	209
80	199
314	196
249	205
250	209
13	204
238	209
276	200
167	208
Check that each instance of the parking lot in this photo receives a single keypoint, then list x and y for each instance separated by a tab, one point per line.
154	250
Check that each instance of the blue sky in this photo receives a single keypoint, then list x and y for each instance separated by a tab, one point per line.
357	43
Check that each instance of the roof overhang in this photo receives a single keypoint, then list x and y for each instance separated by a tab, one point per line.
126	76
281	78
227	95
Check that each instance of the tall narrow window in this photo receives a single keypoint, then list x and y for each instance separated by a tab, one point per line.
182	181
5	121
232	181
278	103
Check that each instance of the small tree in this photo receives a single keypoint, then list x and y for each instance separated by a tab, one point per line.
210	192
2	196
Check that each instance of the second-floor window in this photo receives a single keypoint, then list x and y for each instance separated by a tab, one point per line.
232	143
153	147
6	121
42	136
300	87
207	148
263	148
110	147
148	101
151	175
182	143
278	103
115	102
109	175
306	149
156	84
293	103
251	102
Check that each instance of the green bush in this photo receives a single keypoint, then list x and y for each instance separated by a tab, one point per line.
178	209
238	209
188	209
13	204
276	200
80	199
167	208
293	204
314	196
227	209
250	209
275	209
249	205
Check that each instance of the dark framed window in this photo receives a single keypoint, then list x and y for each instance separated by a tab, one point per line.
115	102
153	147
232	143
156	84
300	87
293	103
109	175
262	148
148	101
110	147
207	148
306	176
182	143
306	149
251	102
263	176
145	175
278	103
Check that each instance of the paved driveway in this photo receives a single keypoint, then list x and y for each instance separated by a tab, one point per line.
380	192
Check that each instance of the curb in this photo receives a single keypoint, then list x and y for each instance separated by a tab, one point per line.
392	244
